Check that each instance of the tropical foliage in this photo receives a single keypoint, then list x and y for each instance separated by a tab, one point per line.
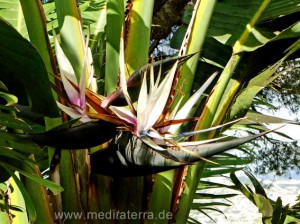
83	102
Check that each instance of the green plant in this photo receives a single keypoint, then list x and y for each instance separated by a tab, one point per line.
98	82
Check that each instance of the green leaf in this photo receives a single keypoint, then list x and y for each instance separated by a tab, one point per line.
16	159
115	18
187	14
29	205
18	143
178	37
241	187
64	125
211	51
209	184
259	198
24	73
280	9
162	191
245	98
211	209
55	188
94	16
10	99
13	154
11	121
199	205
138	30
213	196
264	207
4	217
195	38
207	215
258	188
244	33
227	161
214	172
193	221
279	213
11	11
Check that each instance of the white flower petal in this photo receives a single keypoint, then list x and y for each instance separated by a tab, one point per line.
64	64
124	114
184	111
158	99
70	111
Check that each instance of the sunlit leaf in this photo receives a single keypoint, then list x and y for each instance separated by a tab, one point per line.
55	188
29	205
220	171
9	98
245	98
11	11
4	217
230	33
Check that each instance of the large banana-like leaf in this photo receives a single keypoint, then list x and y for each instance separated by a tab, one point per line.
228	26
93	15
138	29
238	36
245	98
115	20
227	87
11	11
279	20
24	73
